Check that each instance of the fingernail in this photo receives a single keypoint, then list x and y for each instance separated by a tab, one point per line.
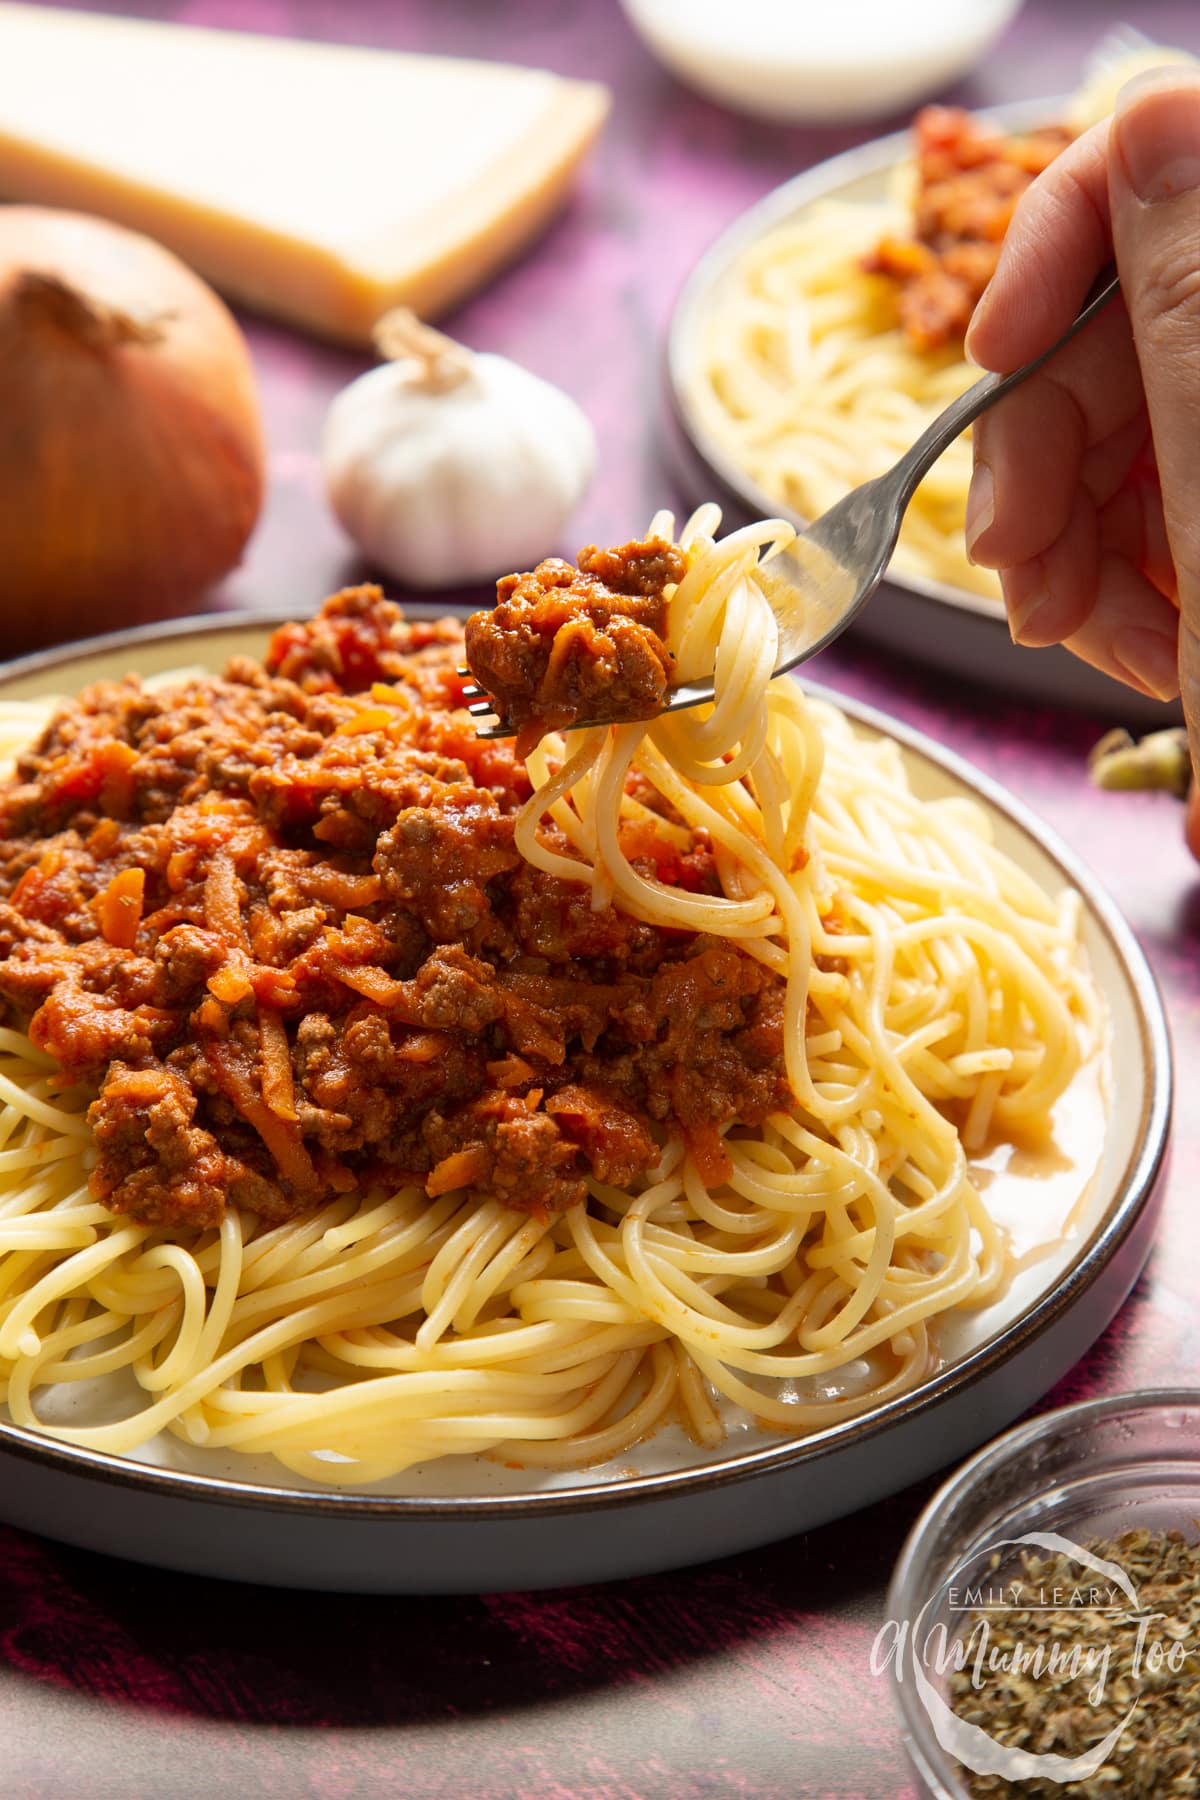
1151	657
1157	134
1022	614
981	505
981	306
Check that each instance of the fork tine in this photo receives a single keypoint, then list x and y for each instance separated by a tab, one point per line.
480	707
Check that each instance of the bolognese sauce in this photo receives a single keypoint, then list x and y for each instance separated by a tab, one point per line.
969	179
279	917
567	644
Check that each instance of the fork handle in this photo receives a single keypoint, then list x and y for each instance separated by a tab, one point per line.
984	393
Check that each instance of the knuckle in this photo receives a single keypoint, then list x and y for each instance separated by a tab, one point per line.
1171	287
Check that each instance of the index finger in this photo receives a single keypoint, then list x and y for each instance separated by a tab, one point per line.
1059	239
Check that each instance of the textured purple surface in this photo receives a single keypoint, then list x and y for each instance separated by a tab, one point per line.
745	1678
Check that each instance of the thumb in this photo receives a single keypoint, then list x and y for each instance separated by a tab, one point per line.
1192	829
1154	196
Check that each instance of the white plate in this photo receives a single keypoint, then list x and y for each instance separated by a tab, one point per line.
960	632
469	1525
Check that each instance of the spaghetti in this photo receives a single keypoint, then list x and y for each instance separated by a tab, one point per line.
836	338
933	998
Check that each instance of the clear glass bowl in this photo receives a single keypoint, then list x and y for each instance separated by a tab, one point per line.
1089	1471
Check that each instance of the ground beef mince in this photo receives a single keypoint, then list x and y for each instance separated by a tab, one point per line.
969	179
565	644
278	916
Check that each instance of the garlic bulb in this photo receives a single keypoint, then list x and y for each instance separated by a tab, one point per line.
447	467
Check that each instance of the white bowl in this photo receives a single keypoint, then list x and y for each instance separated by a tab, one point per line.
791	61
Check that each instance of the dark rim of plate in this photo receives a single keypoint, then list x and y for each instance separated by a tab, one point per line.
1132	1188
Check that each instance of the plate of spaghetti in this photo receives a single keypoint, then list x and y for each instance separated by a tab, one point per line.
429	1162
823	332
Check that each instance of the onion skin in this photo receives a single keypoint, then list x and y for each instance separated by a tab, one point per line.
131	455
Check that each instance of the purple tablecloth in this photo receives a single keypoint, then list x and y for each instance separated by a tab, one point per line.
748	1677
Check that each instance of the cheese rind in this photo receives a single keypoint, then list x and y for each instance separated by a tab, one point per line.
322	183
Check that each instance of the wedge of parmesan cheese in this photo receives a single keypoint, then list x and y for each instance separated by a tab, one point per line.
317	182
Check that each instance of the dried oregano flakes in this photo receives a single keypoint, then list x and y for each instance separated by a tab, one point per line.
1048	1658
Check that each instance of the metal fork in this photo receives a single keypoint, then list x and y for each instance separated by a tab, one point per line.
818	584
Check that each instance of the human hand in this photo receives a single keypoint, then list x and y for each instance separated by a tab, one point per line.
1086	493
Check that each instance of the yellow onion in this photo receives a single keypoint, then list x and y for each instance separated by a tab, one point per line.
131	462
